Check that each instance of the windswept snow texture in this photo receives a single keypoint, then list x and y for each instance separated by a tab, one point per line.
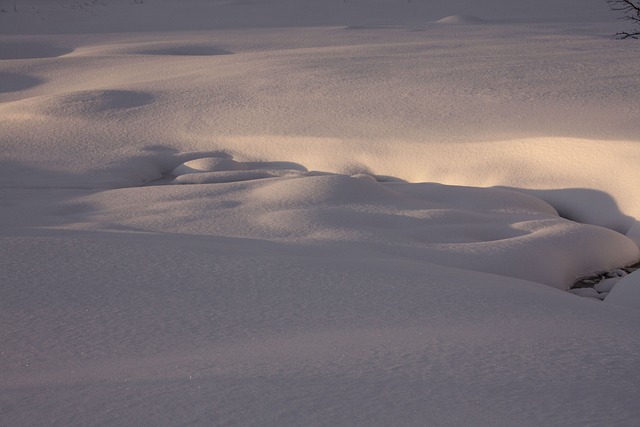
300	212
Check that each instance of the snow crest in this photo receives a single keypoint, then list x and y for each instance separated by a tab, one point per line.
460	20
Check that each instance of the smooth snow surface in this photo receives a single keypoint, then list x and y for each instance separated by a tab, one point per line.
626	292
297	212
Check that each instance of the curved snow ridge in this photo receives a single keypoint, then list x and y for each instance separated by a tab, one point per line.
233	176
223	162
212	170
460	20
223	169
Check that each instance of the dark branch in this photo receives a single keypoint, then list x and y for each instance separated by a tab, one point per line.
625	35
631	11
625	6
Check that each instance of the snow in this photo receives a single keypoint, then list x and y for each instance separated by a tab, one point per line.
460	19
210	170
626	291
606	285
285	212
586	292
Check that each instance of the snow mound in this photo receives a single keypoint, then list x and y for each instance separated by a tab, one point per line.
208	164
30	50
489	230
626	291
460	20
321	190
94	102
11	82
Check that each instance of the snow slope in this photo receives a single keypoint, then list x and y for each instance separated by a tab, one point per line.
316	213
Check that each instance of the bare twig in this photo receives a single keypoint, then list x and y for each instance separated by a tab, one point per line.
631	11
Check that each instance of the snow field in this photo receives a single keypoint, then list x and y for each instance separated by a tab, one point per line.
286	100
206	329
292	212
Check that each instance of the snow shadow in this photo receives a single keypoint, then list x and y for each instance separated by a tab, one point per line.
30	50
585	206
183	50
59	190
10	82
35	198
18	175
94	102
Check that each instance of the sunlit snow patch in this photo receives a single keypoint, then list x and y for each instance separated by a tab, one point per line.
460	20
